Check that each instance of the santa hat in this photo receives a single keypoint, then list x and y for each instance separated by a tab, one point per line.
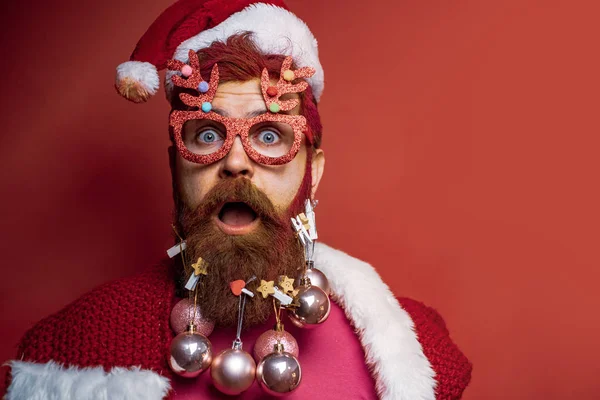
196	24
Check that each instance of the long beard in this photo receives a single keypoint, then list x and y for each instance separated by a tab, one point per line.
269	251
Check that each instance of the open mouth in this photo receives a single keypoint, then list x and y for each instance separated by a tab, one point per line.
236	218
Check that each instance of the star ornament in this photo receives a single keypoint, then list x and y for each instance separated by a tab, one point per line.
200	267
266	288
286	284
305	221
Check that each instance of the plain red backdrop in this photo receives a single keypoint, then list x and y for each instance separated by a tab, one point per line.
462	161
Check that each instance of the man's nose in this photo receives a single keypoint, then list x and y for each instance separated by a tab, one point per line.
236	163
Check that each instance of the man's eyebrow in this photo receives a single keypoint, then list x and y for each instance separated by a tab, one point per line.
255	113
250	114
220	112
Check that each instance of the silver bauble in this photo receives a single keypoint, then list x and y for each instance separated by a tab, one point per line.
191	354
279	373
312	307
317	278
233	371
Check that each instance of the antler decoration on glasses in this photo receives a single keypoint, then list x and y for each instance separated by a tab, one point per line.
194	81
272	94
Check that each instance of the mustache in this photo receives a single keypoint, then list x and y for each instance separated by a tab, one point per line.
239	190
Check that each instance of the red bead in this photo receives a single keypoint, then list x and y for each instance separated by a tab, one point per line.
272	91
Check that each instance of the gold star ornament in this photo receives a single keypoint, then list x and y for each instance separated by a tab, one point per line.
286	284
266	288
200	267
304	220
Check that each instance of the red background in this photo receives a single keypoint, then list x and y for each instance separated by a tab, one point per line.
461	141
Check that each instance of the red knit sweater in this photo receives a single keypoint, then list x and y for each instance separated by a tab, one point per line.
126	323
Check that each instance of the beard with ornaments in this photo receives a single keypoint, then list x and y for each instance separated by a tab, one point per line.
241	280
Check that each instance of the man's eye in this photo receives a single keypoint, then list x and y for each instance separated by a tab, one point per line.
268	136
209	136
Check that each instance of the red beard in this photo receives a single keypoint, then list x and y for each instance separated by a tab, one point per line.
269	251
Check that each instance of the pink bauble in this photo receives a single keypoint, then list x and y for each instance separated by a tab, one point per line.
266	342
317	278
181	316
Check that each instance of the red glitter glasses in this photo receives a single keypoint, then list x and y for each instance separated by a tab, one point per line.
204	137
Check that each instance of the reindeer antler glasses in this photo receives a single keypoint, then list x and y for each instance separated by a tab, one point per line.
204	137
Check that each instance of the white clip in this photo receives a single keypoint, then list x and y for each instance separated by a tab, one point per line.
249	293
310	214
173	251
302	233
192	282
283	298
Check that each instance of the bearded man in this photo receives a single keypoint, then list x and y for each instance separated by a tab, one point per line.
244	80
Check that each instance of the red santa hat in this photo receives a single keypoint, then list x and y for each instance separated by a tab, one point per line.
196	24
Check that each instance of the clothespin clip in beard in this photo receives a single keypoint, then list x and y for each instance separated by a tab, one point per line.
285	290
268	288
283	298
200	268
310	215
301	231
178	248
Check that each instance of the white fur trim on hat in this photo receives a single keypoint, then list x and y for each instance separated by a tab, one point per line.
31	381
275	31
137	81
387	332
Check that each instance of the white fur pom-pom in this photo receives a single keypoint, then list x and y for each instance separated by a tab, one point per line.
137	81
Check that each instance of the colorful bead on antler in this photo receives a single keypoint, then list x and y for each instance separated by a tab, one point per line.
193	80
272	93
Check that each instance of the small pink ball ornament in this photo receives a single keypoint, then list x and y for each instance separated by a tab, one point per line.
266	342
317	278
182	314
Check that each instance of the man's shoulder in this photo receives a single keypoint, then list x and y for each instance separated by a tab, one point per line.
452	368
106	325
396	325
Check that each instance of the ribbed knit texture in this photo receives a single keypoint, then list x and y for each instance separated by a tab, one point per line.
119	324
126	323
452	368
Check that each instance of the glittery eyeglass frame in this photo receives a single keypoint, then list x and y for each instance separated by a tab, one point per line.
235	127
191	79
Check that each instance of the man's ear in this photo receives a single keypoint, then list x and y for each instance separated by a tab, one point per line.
318	165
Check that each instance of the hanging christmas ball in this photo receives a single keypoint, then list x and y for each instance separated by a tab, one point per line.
279	373
182	314
265	343
312	307
233	371
317	278
191	354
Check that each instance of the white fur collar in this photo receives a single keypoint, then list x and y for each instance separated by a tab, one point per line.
31	381
386	331
401	370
